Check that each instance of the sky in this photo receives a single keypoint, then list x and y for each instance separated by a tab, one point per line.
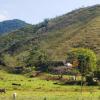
35	11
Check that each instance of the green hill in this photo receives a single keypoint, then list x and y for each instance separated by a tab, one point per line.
79	28
11	25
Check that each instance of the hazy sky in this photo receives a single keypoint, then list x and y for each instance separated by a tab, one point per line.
34	11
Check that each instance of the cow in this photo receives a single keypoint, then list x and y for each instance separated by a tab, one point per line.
16	84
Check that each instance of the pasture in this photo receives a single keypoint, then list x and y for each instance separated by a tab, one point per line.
39	89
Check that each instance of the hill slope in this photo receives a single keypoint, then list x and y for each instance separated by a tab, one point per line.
79	28
11	25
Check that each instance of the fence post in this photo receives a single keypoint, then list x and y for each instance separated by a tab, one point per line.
14	96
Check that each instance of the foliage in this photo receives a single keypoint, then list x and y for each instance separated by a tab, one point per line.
10	61
79	28
90	81
43	24
86	59
39	59
11	25
97	74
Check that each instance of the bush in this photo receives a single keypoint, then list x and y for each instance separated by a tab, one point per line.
90	81
97	74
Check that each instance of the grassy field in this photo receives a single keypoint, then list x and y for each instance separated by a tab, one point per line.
38	89
31	95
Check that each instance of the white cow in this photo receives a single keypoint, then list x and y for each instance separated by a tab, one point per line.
69	65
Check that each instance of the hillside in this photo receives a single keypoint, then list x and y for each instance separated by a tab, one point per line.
11	25
79	28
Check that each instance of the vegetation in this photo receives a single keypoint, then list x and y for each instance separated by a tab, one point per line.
85	60
11	25
37	50
37	88
79	28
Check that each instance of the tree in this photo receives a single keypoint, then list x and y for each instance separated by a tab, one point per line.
39	59
85	59
42	60
44	23
9	60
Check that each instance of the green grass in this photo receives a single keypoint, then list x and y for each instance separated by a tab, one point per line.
31	95
38	89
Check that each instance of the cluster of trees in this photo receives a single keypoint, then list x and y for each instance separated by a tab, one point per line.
87	63
85	58
82	59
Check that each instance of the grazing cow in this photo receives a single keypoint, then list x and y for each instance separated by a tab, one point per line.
16	84
2	90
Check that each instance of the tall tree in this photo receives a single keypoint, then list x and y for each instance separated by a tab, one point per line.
85	58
